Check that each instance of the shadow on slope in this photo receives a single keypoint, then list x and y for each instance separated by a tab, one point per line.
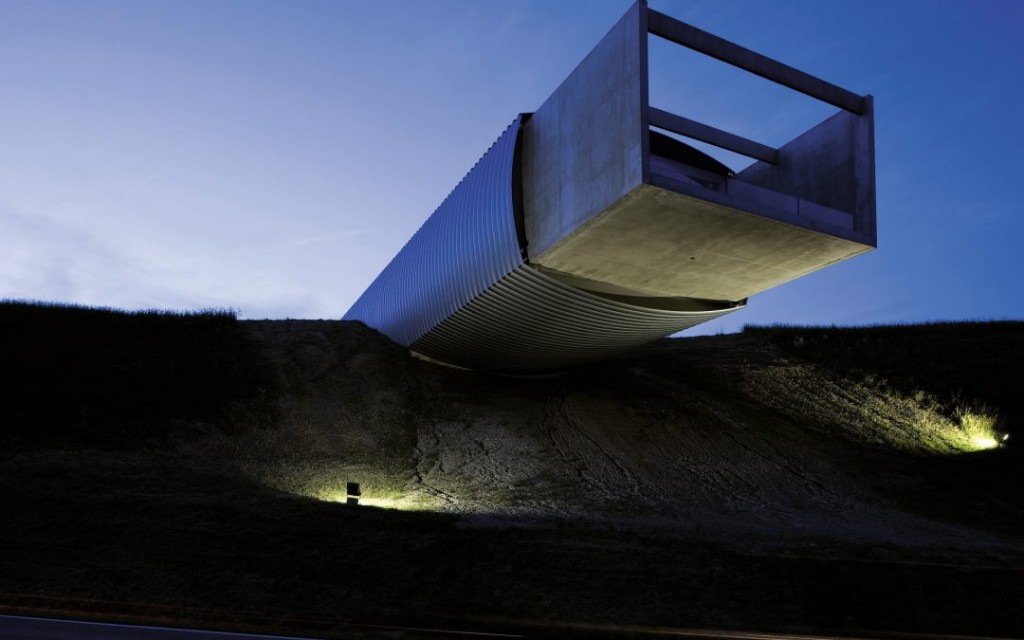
107	376
120	535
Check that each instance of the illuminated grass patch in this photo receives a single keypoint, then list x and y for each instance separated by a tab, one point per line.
979	427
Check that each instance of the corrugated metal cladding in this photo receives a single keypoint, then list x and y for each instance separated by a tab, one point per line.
530	322
466	245
459	291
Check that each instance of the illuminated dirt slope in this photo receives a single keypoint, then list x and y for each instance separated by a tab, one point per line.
737	435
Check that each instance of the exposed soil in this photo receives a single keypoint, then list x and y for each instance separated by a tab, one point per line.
729	436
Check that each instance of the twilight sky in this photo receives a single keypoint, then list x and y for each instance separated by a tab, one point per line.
273	156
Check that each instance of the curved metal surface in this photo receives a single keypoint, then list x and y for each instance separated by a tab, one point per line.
468	244
529	322
459	291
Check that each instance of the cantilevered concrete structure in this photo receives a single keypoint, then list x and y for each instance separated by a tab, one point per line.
585	230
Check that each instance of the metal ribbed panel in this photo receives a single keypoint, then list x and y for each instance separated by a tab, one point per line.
468	244
531	322
459	292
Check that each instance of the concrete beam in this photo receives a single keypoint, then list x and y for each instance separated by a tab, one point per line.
721	49
586	146
717	137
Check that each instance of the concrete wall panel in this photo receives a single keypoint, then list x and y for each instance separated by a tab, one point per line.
832	164
584	147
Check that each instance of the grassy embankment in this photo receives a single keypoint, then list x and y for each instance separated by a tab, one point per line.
971	373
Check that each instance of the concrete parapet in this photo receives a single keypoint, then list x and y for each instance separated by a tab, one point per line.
658	224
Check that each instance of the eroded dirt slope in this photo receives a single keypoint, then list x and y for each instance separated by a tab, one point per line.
725	436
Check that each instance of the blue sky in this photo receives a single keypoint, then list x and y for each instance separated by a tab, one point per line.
273	156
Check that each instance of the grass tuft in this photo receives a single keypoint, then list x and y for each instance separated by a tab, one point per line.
925	362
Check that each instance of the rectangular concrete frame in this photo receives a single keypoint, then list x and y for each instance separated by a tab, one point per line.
598	206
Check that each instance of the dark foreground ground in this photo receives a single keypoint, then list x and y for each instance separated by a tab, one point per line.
185	470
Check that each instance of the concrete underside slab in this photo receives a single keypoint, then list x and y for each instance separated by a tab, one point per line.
670	244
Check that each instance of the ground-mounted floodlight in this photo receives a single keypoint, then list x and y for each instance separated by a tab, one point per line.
587	230
352	493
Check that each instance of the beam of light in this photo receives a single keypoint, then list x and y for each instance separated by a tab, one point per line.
381	503
979	428
984	442
401	503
